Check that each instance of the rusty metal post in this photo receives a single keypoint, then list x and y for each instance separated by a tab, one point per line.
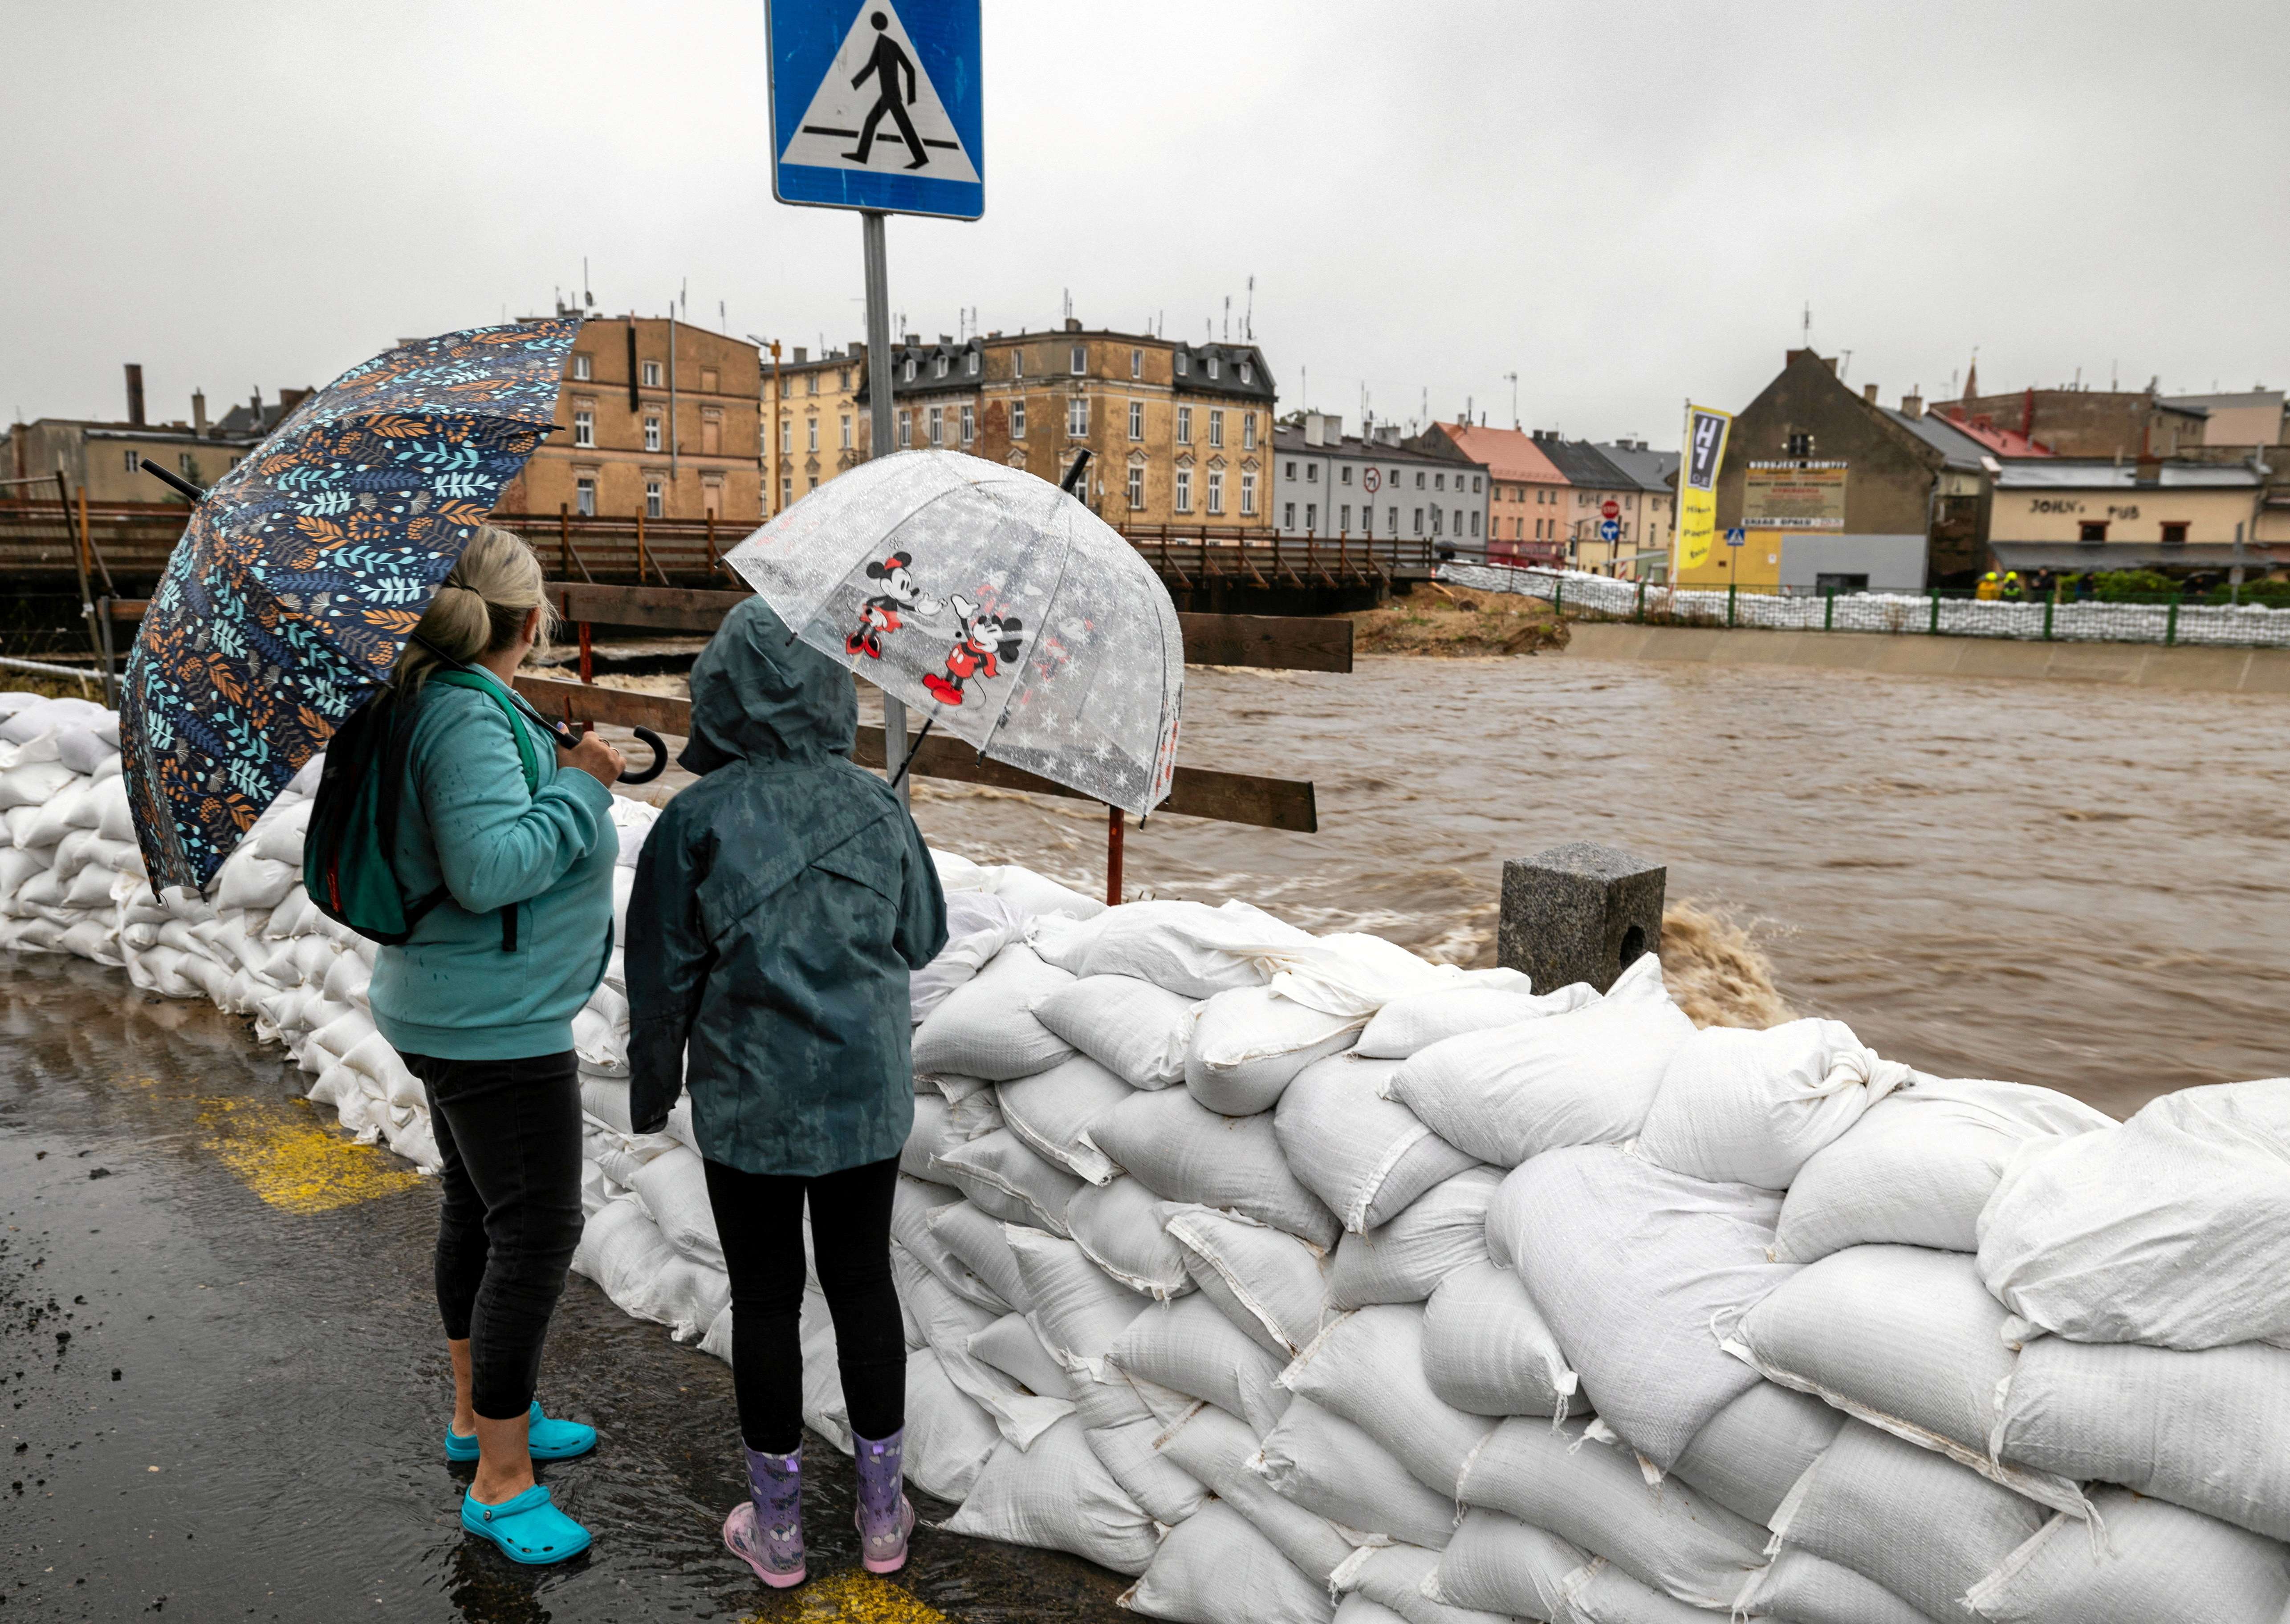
640	546
587	674
565	540
1113	827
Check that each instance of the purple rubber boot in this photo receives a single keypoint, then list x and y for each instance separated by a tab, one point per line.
765	1530
885	1516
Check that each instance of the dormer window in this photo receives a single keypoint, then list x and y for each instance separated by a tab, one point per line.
1212	366
969	364
1183	364
910	369
941	370
1247	372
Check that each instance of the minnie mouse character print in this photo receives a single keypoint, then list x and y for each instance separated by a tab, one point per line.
899	597
986	640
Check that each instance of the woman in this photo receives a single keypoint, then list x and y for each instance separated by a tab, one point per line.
515	840
780	905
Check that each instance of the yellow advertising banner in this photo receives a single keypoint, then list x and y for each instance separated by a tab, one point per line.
1697	484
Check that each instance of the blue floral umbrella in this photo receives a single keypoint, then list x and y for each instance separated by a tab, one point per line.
303	572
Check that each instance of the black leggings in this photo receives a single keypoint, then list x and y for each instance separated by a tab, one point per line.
759	1217
509	1141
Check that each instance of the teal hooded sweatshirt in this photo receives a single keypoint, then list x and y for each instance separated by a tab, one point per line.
466	821
779	904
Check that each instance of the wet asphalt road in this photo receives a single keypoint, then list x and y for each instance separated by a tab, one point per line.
226	1383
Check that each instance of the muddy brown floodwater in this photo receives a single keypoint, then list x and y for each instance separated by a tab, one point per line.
2075	886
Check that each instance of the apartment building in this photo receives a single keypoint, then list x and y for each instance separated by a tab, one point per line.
103	456
1375	484
814	421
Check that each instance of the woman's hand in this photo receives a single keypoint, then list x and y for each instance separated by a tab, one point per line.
594	757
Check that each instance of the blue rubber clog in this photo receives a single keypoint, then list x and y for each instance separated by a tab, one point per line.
547	1437
528	1529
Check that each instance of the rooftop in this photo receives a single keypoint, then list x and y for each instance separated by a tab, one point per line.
1652	470
1288	440
2059	473
1507	453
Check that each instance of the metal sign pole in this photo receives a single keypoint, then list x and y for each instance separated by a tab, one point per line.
878	401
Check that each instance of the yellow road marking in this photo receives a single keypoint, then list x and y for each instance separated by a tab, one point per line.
291	1161
852	1597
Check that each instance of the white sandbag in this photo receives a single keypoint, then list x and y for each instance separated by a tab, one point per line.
1317	1460
1440	1231
1268	1283
1367	1366
1487	1349
1801	1588
1054	1110
1078	1309
1166	1492
1002	1174
2208	1430
347	981
1629	1264
1121	1398
947	1323
975	1237
1058	1494
1583	1078
1917	1169
1187	948
624	1252
1366	1156
34	783
248	880
825	1410
1909	1520
280	835
913	1204
2158	1561
2171	1229
60	815
1417	1021
1751	1454
114	820
948	1438
1497	1564
1188	1347
986	1027
1182	1152
1034	895
978	926
1011	1346
1214	1449
1118	1226
1135	1029
1357	1609
673	1189
1249	1044
1394	1576
1904	1339
941	1129
1743	1107
1596	1496
43	717
1214	1568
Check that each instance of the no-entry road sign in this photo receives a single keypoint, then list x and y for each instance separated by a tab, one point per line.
876	108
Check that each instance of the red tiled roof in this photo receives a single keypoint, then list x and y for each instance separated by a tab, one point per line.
1509	453
2002	442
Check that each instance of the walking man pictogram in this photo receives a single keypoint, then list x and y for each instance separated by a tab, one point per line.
886	63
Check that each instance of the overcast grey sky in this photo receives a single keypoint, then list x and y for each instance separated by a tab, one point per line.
1624	204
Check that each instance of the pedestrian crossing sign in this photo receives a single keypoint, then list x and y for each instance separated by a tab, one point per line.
876	105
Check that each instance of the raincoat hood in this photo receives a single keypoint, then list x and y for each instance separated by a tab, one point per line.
760	694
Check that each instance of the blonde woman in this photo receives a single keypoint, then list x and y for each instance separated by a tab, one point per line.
506	844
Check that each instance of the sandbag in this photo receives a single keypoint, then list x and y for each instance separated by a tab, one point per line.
2171	1229
976	1238
1268	1283
948	1438
1918	1168
1498	1565
946	1323
1011	1346
1214	1448
1803	1589
986	1027
1187	948
1367	1367
1118	1226
1908	1519
1002	1174
1366	1156
1135	1029
2208	1430
1752	1452
1035	894
1902	1337
1182	1152
2159	1561
1596	1496
1583	1078
1743	1107
1487	1349
1317	1460
1629	1263
624	1252
1166	1492
978	926
1249	1044
1078	1309
1603	1594
1416	1021
941	1129
1441	1231
1057	1494
1188	1346
1214	1568
1053	1111
1393	1576
913	1204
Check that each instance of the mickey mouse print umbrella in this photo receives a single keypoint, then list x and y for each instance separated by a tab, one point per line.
1005	610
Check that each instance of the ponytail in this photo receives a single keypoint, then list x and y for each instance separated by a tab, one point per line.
480	608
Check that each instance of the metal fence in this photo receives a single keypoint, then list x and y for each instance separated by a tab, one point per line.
1937	614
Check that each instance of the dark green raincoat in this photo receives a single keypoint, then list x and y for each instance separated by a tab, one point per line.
779	904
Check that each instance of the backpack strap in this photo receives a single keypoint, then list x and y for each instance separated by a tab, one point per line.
528	758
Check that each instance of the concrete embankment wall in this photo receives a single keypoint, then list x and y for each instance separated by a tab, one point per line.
2130	665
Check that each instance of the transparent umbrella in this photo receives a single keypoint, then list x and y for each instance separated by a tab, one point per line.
1006	612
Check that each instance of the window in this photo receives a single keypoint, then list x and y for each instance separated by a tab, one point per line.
1077	418
969	423
910	369
711	433
1345	523
1391	520
2174	533
582	367
1183	362
1184	490
1436	514
843	380
938	425
1017	364
1439	482
1136	420
584	424
1346	474
1800	443
1248	493
1418	526
1475	524
1247	372
1184	425
1216	430
811	481
811	435
846	431
1311	472
787	489
1212	366
652	374
938	370
652	434
1136	485
134	460
1419	485
969	364
1311	516
1474	485
584	497
2092	530
906	429
1136	364
1288	470
1288	515
1216	491
1017	419
654	506
1248	431
811	383
786	438
1078	363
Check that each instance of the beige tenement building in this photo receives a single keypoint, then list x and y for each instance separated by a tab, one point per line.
814	423
2061	514
103	456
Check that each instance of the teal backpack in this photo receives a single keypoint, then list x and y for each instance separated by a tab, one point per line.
347	865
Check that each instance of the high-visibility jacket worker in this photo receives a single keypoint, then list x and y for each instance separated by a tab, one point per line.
1990	587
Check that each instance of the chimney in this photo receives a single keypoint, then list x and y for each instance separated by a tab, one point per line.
1912	404
135	393
802	355
1314	433
1073	323
1868	393
288	399
946	338
913	340
199	410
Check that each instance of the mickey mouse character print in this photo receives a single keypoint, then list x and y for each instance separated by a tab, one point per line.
987	639
898	596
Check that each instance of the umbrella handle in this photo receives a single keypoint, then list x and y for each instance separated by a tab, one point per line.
659	758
